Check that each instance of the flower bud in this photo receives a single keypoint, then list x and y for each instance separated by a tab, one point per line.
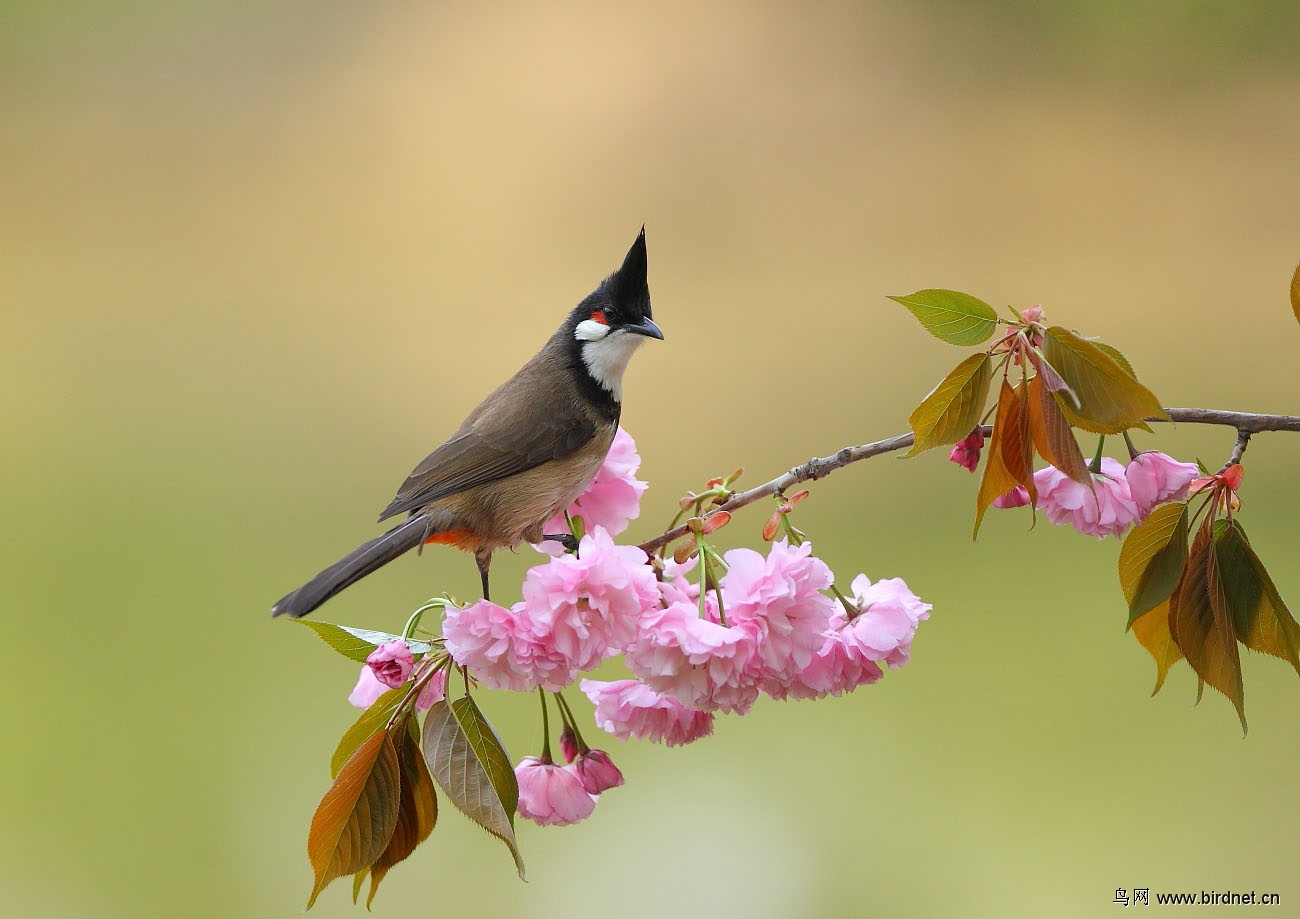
391	663
684	553
568	744
715	521
597	772
773	524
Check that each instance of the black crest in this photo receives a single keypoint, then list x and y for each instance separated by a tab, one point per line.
628	290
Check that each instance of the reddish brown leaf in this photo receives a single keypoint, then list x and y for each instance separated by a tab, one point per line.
999	477
1295	293
417	813
1201	624
1017	443
1152	631
1052	435
355	819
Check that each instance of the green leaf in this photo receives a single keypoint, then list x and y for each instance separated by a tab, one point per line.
355	819
1110	399
469	761
1115	355
1152	559
1260	618
357	644
1152	631
1052	435
1200	623
372	719
954	317
417	814
953	407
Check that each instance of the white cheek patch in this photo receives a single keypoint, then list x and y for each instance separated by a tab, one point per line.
606	360
590	330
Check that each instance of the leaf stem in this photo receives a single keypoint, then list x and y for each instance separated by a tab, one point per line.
1095	466
414	621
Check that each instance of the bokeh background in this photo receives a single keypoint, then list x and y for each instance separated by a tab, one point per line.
257	259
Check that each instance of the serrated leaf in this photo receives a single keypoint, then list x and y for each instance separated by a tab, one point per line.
417	813
1152	631
1117	356
1200	624
469	762
1260	618
1052	435
355	819
1110	399
1295	293
999	476
1152	559
372	719
952	316
357	644
953	407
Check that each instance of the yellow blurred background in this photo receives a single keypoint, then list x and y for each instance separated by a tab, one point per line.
257	259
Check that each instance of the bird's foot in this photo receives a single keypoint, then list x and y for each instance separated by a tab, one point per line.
565	539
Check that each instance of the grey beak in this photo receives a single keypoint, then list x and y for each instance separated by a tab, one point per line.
646	326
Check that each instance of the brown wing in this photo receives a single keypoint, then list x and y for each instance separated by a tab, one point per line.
528	421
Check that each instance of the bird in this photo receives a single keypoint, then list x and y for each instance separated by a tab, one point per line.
524	453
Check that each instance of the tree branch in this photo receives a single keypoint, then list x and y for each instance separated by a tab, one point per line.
1245	423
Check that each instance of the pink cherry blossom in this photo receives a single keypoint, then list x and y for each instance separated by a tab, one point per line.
611	500
631	709
1016	497
966	453
890	614
1154	478
703	664
585	607
676	585
597	771
500	647
433	692
1106	509
391	663
551	795
368	688
779	597
855	648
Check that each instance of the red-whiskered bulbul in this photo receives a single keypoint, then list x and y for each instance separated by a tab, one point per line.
525	453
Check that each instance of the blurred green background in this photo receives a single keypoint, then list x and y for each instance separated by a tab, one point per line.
257	259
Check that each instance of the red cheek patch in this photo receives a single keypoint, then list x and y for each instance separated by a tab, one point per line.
599	316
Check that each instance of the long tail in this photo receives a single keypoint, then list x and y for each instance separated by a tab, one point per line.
351	568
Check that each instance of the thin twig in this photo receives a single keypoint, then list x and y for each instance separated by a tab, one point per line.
1245	423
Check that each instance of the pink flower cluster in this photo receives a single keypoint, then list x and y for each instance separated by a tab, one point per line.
768	626
576	612
389	666
1119	497
554	795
